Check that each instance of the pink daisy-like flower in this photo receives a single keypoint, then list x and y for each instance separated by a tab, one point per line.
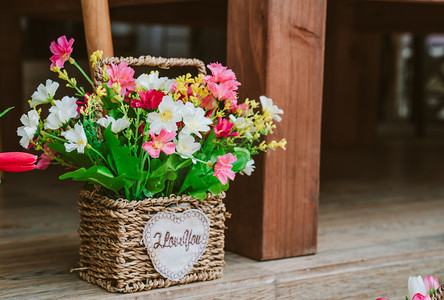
223	166
220	74
222	91
61	50
223	128
148	100
122	74
160	143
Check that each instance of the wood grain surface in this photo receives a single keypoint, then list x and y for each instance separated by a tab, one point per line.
380	221
276	49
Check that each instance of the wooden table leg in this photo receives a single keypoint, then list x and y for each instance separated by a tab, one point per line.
276	47
97	25
11	83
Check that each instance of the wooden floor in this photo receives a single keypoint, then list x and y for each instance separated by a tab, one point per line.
381	220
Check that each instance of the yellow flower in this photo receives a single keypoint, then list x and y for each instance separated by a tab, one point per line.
95	57
101	91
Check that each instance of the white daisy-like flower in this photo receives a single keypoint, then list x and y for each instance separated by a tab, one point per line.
243	125
269	109
30	123
186	146
76	139
170	112
153	82
194	120
44	93
62	111
249	168
116	125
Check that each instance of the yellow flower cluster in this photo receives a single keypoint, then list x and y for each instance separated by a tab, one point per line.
195	84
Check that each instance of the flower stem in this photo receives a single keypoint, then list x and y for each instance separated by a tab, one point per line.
44	133
81	71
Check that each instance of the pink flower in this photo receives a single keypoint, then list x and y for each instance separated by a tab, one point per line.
222	91
220	74
160	143
431	284
141	129
148	100
208	103
419	296
382	299
223	128
45	158
81	105
222	168
240	109
61	50
122	74
17	161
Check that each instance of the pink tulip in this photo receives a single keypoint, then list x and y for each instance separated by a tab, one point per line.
223	166
61	50
17	162
160	143
431	284
122	74
419	296
223	128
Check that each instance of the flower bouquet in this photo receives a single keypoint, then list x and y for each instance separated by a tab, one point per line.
143	146
427	289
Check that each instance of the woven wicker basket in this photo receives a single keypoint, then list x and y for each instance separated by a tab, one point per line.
112	255
438	294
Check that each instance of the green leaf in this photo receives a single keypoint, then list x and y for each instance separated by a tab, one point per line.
97	174
78	159
199	194
155	185
5	111
216	189
243	156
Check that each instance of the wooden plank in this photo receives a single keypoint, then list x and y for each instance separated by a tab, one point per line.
11	83
276	48
97	27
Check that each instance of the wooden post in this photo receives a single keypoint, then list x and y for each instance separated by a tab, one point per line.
97	27
11	83
276	48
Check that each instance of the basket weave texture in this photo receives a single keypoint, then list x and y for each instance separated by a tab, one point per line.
112	254
438	294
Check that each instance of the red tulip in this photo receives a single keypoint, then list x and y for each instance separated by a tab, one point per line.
17	161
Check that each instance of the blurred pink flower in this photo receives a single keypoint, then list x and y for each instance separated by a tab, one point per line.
222	91
223	166
223	128
419	296
221	74
17	161
81	105
61	50
208	102
122	74
160	143
45	158
382	299
431	284
148	100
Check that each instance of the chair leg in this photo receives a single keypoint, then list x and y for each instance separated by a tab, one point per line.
97	25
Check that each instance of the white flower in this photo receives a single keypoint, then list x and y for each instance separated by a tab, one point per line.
186	145
170	112
249	168
44	93
269	109
62	111
194	120
153	82
416	285
243	126
76	138
116	125
30	123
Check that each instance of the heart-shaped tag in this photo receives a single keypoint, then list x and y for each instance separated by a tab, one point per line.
176	241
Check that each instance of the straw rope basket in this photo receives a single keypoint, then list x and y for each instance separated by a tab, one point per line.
111	253
438	294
